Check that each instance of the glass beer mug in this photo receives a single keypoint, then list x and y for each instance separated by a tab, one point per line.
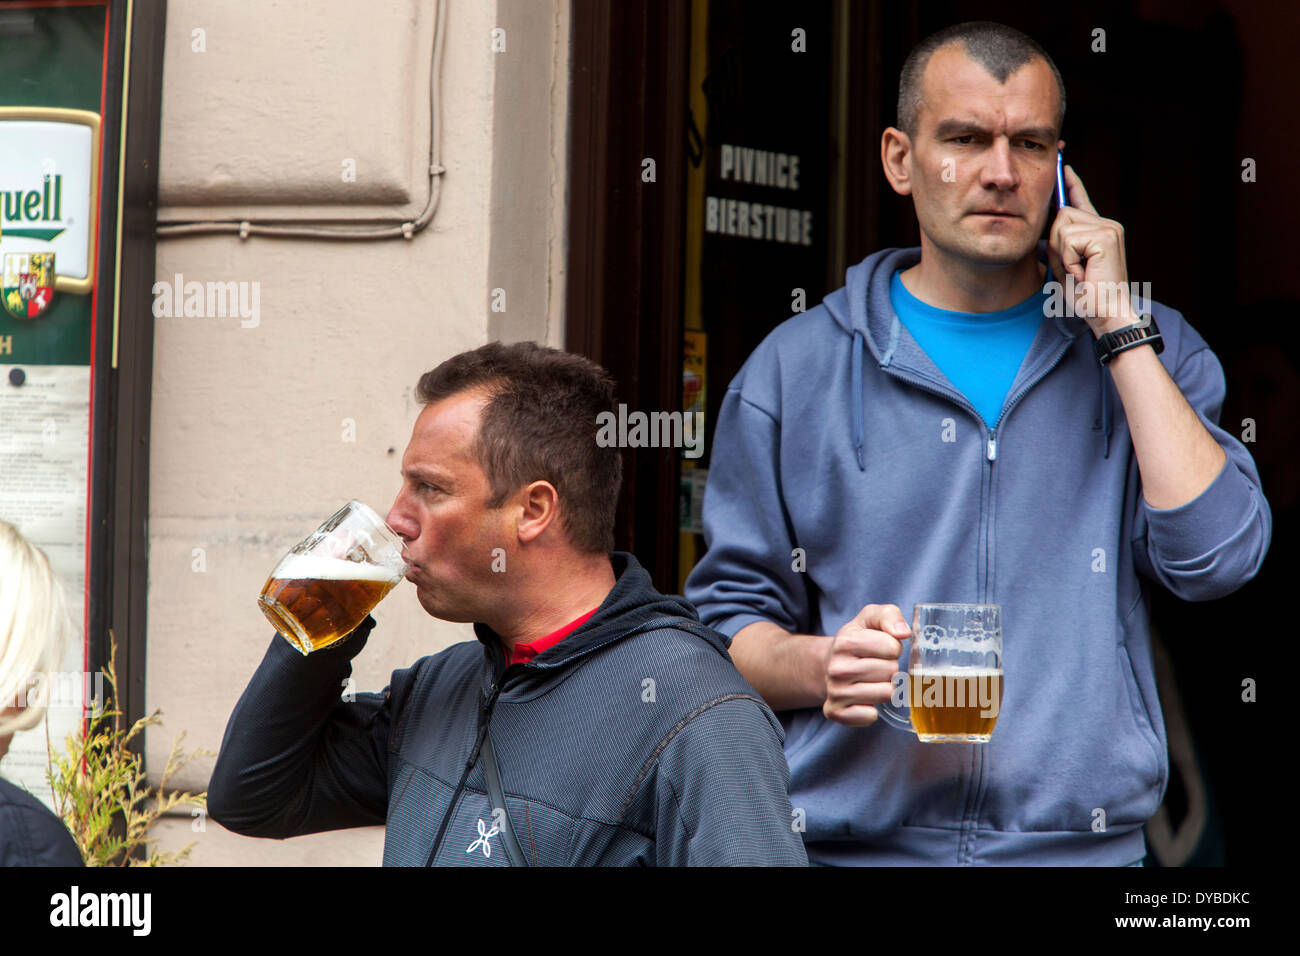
953	682
322	589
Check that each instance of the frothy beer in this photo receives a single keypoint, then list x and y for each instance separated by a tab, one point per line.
314	600
957	704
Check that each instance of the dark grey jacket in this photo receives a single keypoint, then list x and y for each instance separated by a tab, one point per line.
30	835
634	741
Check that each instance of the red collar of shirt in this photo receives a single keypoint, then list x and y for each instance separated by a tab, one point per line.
526	652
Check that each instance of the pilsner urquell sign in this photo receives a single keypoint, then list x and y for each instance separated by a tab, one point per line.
49	188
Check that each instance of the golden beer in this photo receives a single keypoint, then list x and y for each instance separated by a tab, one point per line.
315	600
955	704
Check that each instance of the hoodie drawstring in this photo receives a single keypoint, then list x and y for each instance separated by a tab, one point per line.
855	382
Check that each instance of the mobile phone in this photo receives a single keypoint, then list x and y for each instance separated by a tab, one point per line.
1060	181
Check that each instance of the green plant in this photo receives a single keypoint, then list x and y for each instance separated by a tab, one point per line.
100	789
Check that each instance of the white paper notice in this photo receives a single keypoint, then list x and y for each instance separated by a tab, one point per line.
44	442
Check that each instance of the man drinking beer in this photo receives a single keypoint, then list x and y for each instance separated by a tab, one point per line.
593	722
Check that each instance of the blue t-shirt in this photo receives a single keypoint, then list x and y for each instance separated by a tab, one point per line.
979	352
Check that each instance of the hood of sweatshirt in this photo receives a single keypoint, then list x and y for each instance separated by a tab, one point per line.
633	606
862	308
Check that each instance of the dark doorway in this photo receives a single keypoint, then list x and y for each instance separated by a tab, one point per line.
1174	123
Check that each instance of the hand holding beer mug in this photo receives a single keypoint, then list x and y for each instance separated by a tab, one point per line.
953	681
322	589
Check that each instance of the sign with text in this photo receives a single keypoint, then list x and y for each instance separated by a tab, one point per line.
49	190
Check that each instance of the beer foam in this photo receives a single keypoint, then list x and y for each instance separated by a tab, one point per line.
971	639
949	670
316	567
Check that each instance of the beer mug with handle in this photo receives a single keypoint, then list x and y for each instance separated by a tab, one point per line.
953	682
326	586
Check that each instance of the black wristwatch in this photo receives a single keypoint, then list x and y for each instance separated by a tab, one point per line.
1146	332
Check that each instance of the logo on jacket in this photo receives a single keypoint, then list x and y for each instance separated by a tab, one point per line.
484	835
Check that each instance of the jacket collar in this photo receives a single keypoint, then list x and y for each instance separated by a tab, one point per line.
632	606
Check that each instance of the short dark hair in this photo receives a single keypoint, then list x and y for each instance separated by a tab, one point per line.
539	424
999	49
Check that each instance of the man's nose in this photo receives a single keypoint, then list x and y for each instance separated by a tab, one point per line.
1000	169
400	520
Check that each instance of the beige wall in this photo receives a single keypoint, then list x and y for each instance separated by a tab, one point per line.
249	446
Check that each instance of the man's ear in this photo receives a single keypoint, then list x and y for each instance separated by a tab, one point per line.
539	505
896	158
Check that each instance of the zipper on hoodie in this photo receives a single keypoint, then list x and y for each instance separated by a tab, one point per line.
486	704
975	804
1024	389
978	806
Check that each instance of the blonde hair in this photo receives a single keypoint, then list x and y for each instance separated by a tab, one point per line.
34	629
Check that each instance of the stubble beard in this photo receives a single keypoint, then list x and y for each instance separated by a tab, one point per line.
990	250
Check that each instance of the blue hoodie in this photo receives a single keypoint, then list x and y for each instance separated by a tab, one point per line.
840	437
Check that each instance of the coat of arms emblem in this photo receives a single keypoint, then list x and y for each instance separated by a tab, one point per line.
28	287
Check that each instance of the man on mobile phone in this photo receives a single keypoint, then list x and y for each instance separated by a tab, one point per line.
987	418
